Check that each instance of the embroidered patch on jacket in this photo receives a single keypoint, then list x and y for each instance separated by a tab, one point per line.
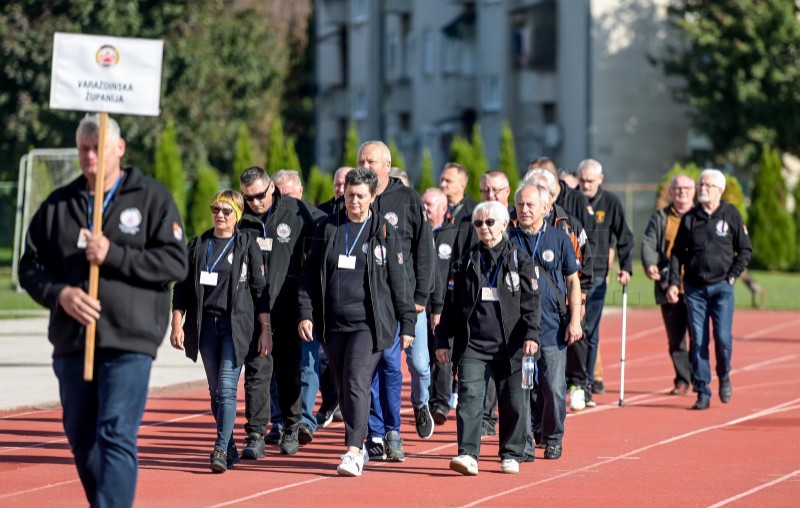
129	221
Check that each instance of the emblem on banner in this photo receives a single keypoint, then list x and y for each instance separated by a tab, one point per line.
107	56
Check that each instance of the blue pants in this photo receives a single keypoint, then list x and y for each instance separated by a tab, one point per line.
387	382
712	303
419	363
595	300
309	382
222	373
101	421
550	410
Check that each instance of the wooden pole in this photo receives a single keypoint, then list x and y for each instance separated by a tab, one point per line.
97	230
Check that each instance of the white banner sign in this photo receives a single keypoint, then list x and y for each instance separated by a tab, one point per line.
106	74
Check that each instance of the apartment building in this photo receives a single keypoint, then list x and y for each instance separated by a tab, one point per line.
571	77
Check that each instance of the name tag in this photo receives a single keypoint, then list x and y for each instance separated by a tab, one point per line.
208	278
83	238
265	244
490	295
347	262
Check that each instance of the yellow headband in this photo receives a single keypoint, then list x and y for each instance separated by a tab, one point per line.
236	209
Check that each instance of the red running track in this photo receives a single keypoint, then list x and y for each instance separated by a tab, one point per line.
653	451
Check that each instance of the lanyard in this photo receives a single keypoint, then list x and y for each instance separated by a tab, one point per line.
264	220
526	246
208	253
106	201
496	271
349	250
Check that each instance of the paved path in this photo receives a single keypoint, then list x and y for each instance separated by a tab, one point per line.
26	373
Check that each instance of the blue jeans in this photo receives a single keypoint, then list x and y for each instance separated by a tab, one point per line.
419	363
551	398
219	361
309	382
387	382
591	327
101	421
703	304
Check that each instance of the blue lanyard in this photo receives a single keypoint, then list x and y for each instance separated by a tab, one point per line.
208	253
264	220
106	201
349	250
496	271
525	245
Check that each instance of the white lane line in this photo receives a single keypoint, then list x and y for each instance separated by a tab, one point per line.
770	329
270	491
30	491
786	406
756	489
39	411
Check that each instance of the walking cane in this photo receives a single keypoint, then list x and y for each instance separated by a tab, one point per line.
622	355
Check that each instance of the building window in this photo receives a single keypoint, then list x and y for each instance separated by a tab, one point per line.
533	37
427	53
359	109
449	55
360	10
408	52
490	93
393	56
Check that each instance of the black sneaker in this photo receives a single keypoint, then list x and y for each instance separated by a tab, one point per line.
725	390
538	441
274	435
325	415
394	447
587	398
552	452
232	457
304	434
424	421
289	442
598	387
254	448
440	415
375	449
219	461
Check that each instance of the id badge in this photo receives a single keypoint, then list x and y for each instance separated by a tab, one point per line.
347	262
265	244
490	295
208	278
83	238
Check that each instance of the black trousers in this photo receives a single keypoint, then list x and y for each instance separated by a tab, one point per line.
441	386
284	363
353	361
576	364
676	322
327	388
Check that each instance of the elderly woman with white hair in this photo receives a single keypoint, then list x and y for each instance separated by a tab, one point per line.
489	322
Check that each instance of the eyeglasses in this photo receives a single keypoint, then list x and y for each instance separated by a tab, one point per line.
226	212
492	190
478	223
254	197
682	189
709	185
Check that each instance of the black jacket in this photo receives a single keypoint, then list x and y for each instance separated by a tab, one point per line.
710	248
247	283
444	241
610	220
403	208
290	225
654	250
575	203
147	252
573	227
388	283
519	304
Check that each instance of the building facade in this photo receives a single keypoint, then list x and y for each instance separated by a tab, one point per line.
571	77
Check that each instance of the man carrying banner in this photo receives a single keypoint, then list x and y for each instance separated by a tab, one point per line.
140	251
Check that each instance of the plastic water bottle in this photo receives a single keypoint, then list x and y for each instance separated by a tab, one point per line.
528	372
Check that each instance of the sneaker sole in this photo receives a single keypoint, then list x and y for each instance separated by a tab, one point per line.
288	452
218	468
429	434
389	458
509	471
344	472
252	454
463	469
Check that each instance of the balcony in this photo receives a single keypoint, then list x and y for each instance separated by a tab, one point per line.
460	92
398	98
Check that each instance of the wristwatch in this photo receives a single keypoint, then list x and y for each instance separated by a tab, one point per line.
731	280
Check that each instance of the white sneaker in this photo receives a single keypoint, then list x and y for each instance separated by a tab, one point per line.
465	465
577	401
509	466
352	464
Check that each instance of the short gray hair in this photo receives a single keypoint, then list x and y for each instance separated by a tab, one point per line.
286	174
493	208
89	128
544	193
592	164
717	177
533	176
386	153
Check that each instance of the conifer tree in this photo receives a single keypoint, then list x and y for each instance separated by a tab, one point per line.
243	157
351	144
507	162
291	160
425	180
319	187
461	152
771	230
276	148
796	217
480	164
168	168
205	187
398	161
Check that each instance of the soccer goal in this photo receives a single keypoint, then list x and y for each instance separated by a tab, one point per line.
40	172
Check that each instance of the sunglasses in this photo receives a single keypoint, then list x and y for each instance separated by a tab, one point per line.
254	197
478	223
225	211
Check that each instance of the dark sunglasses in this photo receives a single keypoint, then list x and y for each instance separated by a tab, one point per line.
478	223
259	196
225	211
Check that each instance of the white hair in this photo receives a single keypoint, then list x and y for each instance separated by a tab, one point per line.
717	177
544	193
534	176
89	128
387	155
493	209
591	164
286	174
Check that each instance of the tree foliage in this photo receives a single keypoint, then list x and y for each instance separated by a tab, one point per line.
276	148
398	161
461	152
739	64
507	162
351	144
224	60
205	187
796	219
425	180
291	160
243	157
771	230
480	164
319	187
168	167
